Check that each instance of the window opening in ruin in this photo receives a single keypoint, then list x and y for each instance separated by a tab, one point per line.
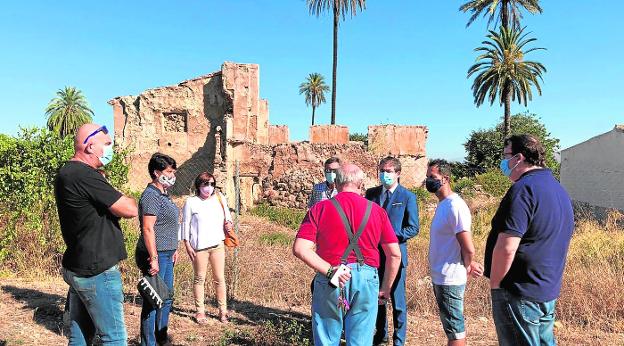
175	121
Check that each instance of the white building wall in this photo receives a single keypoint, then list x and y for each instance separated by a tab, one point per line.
593	171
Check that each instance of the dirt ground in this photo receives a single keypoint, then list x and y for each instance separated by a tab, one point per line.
31	314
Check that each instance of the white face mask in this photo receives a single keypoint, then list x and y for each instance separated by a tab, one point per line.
206	190
166	181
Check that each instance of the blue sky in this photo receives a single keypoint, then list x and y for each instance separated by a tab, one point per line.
400	61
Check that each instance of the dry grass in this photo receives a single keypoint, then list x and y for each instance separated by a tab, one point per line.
275	283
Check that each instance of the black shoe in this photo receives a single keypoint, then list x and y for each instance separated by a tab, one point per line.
383	341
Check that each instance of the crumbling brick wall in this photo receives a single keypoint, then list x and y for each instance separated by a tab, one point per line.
218	123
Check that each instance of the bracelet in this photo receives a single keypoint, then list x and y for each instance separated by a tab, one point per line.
330	271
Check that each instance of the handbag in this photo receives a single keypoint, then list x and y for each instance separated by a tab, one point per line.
231	238
154	290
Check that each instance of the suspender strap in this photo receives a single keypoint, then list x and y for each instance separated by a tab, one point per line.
353	238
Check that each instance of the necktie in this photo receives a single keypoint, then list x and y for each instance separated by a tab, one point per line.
386	200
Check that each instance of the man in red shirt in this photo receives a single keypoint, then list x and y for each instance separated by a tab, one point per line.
347	229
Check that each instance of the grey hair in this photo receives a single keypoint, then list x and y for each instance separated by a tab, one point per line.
349	174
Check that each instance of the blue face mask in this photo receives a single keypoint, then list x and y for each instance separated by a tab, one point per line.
107	155
330	177
387	179
504	166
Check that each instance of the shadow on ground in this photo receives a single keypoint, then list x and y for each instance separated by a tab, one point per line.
48	308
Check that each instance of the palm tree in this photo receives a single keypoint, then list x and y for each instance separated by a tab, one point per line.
314	89
339	8
68	111
508	11
501	71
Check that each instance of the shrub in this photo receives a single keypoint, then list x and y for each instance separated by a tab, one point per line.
422	195
283	216
358	137
493	182
29	163
484	147
464	187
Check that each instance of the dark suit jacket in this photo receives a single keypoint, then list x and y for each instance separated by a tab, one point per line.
403	213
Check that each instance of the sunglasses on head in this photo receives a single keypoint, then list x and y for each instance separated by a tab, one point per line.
101	129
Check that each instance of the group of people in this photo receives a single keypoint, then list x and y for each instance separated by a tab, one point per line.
356	241
89	212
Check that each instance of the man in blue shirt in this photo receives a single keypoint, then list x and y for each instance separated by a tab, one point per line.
326	189
402	208
526	249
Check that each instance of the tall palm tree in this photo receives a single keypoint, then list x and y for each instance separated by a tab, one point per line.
314	89
68	111
501	71
339	8
507	11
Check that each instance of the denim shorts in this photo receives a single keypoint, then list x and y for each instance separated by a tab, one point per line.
450	299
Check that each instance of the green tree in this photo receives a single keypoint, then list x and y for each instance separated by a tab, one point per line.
339	8
68	111
502	72
507	11
484	147
314	89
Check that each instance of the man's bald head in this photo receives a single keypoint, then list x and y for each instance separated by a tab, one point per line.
83	132
349	174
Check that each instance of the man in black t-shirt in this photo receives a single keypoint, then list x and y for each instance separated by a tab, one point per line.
89	210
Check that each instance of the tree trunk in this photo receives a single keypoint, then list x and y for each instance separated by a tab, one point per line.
505	14
507	119
313	109
335	68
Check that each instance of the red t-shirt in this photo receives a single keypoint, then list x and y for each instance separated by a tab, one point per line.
323	225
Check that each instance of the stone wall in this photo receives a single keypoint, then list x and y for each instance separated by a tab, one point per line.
278	134
218	123
329	134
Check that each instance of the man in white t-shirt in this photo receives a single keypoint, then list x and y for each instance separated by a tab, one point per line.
451	252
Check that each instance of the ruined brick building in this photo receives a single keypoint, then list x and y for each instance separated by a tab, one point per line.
218	121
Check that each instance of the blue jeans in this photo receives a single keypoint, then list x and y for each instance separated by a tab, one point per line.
96	305
399	312
155	322
359	321
450	299
522	322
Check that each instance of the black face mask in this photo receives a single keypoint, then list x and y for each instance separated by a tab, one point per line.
433	185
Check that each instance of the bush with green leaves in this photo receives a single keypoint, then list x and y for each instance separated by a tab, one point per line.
29	163
493	182
358	137
290	218
484	147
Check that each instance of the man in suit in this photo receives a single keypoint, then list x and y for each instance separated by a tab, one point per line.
402	209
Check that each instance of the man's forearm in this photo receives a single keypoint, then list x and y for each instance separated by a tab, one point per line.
502	257
391	269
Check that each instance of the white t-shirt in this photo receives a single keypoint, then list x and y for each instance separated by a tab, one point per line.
452	216
202	221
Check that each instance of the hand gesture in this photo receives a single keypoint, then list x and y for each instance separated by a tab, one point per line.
474	269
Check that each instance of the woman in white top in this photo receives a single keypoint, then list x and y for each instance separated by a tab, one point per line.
203	220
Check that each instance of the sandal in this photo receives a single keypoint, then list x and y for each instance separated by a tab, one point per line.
201	319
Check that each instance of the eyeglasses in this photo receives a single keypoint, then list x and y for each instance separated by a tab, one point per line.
209	183
508	155
330	170
101	129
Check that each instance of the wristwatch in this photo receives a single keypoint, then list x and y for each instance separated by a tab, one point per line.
155	257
